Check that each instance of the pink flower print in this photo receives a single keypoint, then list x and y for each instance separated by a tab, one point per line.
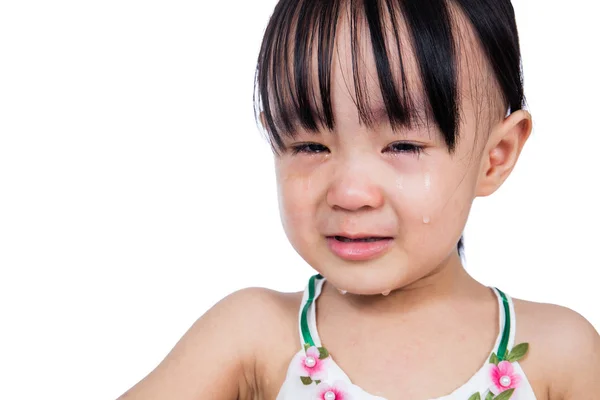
503	377
313	366
337	391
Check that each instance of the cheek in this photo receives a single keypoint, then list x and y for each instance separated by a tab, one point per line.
413	191
296	196
431	194
432	208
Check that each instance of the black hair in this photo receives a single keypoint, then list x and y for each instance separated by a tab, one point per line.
287	96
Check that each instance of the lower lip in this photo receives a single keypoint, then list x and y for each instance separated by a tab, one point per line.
358	251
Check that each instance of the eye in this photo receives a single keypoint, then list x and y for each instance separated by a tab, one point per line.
308	148
404	147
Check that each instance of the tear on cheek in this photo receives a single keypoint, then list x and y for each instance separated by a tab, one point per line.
400	182
427	181
415	192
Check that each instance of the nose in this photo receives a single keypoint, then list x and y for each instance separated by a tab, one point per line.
354	188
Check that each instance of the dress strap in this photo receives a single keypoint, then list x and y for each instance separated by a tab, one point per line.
507	323
308	320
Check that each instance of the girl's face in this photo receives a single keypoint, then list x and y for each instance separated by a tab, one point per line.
404	201
372	209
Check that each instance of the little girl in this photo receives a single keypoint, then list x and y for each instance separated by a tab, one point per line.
387	118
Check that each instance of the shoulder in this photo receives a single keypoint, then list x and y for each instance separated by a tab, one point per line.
263	307
217	357
567	348
248	303
267	320
565	330
256	314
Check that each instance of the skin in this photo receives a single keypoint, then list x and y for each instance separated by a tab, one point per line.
438	324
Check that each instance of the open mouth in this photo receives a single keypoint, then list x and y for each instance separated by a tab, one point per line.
363	239
359	248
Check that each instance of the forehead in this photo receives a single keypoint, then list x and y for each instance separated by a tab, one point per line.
356	80
373	65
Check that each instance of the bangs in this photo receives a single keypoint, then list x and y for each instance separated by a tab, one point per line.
294	70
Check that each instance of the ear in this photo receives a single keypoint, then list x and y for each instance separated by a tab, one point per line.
502	151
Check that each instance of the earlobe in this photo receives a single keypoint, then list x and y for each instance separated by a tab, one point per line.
502	151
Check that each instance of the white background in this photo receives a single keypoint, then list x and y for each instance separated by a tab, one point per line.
136	190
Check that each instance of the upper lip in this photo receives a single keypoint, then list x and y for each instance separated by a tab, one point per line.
358	235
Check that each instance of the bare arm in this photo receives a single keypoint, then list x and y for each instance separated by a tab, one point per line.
213	360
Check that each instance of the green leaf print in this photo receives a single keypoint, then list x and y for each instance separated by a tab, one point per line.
306	346
494	359
323	353
475	396
518	352
489	396
507	394
306	380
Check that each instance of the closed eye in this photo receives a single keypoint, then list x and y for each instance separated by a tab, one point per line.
404	147
309	148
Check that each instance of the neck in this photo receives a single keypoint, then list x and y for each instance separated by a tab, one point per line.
448	280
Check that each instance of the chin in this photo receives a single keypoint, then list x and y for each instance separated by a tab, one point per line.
371	277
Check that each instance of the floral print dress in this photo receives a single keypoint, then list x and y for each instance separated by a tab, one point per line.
314	375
